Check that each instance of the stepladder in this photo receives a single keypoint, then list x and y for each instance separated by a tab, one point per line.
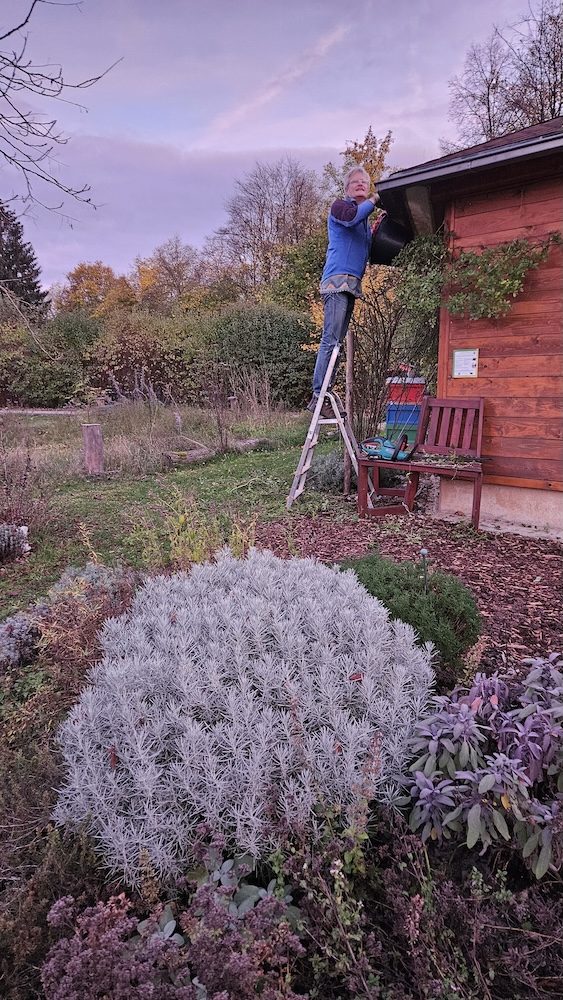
340	419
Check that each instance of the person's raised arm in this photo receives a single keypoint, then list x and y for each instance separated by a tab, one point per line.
348	213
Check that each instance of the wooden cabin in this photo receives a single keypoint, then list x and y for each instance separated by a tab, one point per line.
507	188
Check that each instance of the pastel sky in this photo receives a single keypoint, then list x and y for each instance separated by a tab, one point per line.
204	90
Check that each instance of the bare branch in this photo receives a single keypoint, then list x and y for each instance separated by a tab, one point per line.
274	207
13	31
514	80
28	138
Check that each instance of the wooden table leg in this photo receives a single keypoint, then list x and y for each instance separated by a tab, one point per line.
362	488
476	510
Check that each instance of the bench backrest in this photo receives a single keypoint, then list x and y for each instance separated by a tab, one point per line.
450	425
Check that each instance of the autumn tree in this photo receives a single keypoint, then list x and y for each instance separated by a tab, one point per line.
172	270
514	80
210	295
274	207
19	271
297	284
301	265
95	290
28	135
371	154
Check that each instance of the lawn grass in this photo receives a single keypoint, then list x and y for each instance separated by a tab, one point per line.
146	426
96	518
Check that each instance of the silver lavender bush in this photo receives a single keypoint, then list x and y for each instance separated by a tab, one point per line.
239	687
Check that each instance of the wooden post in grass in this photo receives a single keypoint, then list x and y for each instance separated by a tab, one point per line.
93	449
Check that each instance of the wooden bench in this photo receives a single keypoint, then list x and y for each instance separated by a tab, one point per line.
448	443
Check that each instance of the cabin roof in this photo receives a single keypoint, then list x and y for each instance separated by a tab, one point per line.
405	193
535	140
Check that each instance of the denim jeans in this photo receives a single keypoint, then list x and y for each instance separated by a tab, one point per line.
338	309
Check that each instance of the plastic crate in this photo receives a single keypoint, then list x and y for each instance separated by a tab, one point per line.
402	418
405	390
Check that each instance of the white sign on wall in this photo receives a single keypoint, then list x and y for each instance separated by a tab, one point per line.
466	364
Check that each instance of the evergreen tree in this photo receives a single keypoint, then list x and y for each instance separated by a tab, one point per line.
19	270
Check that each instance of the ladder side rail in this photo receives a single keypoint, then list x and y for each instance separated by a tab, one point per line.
312	437
309	446
328	375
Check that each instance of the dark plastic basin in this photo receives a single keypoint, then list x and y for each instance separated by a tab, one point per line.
388	239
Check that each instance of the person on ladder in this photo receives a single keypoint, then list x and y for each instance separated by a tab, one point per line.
349	238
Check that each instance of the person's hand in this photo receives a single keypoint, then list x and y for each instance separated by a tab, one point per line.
375	198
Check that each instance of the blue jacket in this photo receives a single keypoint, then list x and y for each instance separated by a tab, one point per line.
349	238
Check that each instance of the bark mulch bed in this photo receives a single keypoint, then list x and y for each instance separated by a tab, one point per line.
516	580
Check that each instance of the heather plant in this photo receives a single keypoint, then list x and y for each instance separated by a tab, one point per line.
247	928
243	687
453	924
236	958
444	613
224	950
62	618
49	658
491	766
102	958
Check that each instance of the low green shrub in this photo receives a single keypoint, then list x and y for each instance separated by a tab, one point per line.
34	372
269	340
173	531
447	615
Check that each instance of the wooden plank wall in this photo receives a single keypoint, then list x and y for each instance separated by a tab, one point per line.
520	354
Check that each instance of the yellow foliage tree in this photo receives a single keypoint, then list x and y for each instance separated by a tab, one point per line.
93	289
371	154
161	280
375	282
120	296
144	278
